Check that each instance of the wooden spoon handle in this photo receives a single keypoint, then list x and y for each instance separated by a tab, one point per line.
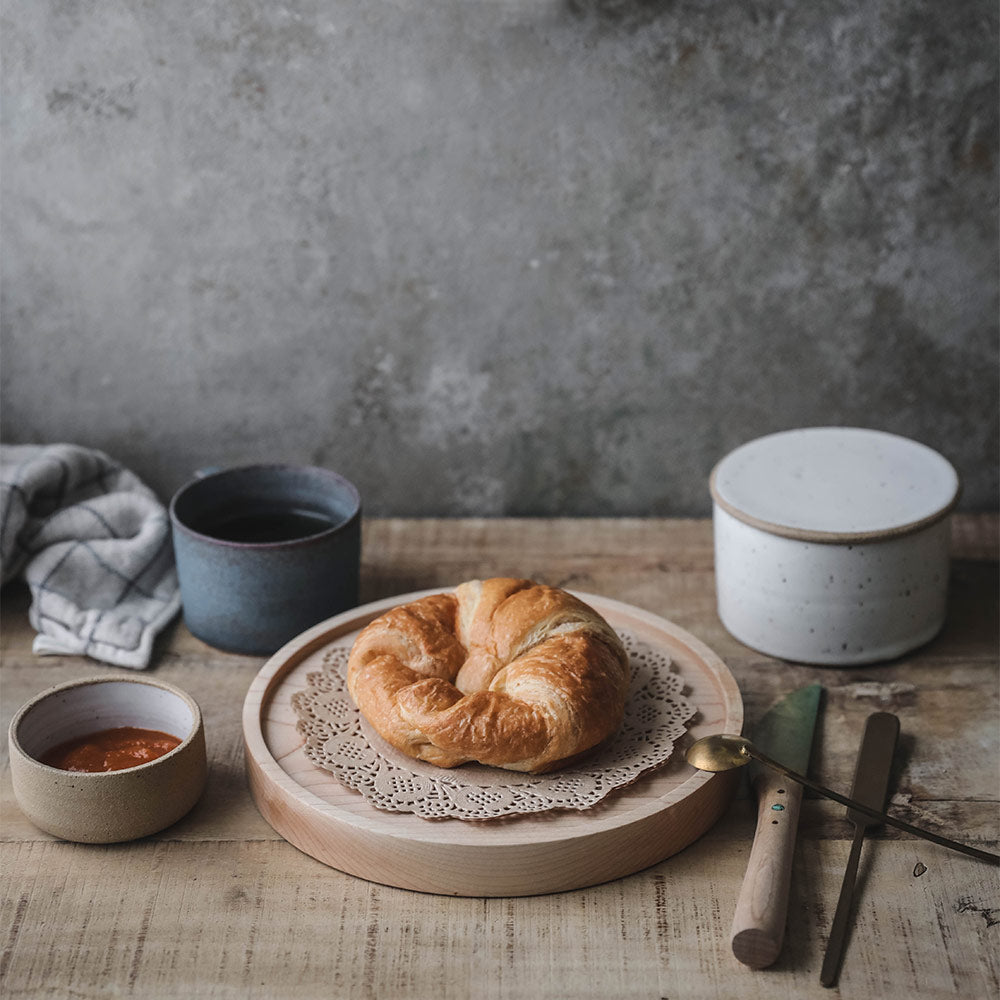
762	907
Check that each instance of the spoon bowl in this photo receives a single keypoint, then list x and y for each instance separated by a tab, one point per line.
719	753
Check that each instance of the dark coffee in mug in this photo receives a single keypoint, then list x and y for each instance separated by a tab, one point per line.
261	527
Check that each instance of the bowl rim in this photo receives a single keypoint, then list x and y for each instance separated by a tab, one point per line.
33	702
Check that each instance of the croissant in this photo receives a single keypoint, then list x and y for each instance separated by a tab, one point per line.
506	672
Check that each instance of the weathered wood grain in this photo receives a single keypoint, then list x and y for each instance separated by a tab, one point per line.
181	920
220	906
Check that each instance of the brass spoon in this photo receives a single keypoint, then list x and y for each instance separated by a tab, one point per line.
722	752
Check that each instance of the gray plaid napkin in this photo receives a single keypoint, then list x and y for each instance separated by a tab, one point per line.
93	543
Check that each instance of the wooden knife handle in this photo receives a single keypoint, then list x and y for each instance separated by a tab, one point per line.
762	907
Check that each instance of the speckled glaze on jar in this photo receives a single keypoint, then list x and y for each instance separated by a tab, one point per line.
832	544
104	807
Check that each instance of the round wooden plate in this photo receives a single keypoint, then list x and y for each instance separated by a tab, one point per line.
638	826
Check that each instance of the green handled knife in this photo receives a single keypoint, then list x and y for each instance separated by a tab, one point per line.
786	734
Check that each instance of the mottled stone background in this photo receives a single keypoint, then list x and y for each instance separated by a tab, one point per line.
490	257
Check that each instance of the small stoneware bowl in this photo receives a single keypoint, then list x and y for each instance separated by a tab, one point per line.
831	544
107	807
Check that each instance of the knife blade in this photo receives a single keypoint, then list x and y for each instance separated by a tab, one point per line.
786	734
871	786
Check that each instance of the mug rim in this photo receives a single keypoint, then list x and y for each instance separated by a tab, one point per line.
341	481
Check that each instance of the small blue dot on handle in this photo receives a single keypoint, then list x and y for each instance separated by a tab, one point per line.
777	807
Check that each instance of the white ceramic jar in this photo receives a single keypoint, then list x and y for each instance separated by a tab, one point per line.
832	544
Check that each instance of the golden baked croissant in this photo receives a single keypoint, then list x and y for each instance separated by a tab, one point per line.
506	672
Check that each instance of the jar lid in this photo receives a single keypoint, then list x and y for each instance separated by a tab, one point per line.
835	484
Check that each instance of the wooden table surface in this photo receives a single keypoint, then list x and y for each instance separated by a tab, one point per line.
220	906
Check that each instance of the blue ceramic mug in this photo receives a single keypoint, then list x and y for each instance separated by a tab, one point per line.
264	552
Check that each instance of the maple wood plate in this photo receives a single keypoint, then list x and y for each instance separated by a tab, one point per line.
637	826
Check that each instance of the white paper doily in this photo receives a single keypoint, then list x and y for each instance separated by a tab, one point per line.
339	740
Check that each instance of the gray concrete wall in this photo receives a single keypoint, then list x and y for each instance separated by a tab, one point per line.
489	257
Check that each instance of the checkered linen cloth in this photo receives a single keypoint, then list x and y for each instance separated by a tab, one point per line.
93	543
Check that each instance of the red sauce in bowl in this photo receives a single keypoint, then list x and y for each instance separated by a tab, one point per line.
110	750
